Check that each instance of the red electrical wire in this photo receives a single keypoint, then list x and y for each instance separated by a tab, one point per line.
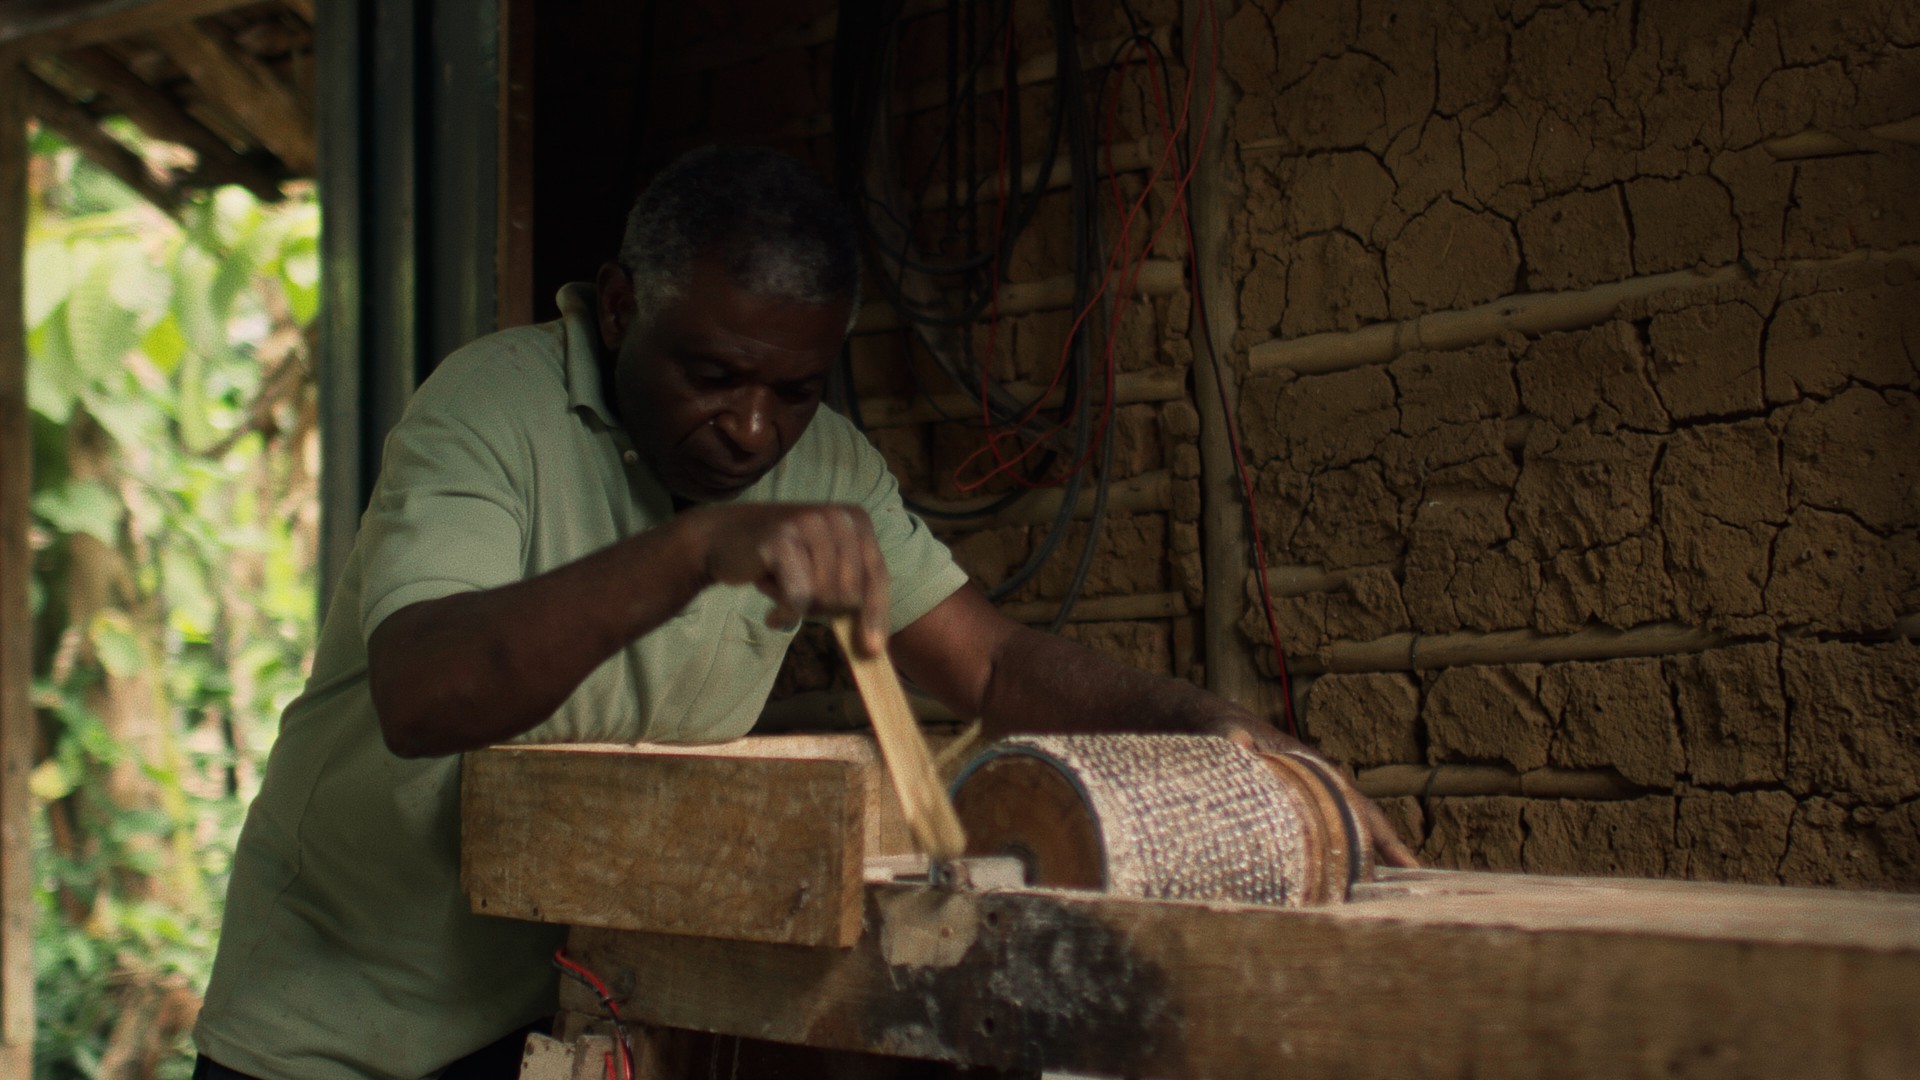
1129	269
1226	410
625	1052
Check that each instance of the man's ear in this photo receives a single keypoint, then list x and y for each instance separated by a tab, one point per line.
616	305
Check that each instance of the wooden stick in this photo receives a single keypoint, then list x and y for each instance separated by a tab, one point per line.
936	828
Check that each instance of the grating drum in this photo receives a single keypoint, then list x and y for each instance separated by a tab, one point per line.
1174	817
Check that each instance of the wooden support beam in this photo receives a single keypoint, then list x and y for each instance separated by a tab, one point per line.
36	26
1527	313
1408	651
79	127
1390	781
1818	144
161	117
17	727
269	108
1158	277
1143	494
1485	975
1226	548
1129	388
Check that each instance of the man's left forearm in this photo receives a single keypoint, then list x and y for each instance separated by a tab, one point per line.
1041	683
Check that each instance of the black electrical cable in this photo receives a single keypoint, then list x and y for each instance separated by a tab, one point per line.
862	75
1086	231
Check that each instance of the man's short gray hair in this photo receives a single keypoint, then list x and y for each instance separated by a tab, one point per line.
776	225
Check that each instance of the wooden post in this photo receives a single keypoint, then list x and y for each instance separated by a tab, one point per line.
16	657
1224	545
513	271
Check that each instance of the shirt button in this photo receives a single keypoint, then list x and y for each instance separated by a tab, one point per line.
631	457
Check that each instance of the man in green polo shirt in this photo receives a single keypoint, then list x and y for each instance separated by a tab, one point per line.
603	528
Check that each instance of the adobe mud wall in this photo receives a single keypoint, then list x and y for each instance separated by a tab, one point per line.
1582	378
1576	349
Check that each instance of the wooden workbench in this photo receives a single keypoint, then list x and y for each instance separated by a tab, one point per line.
1425	973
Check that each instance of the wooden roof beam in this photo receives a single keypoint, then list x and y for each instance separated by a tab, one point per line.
161	117
79	127
35	26
269	108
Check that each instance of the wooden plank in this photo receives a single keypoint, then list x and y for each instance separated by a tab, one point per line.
269	108
17	727
77	126
762	839
161	117
1434	974
35	26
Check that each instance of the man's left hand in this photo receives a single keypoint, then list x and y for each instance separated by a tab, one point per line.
1256	734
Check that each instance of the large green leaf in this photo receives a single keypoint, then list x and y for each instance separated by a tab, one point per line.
117	643
139	280
83	506
201	319
49	279
100	331
132	421
164	344
50	780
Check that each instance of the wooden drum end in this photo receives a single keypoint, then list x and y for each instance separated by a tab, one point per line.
1164	817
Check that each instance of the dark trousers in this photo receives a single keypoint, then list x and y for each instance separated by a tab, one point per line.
498	1060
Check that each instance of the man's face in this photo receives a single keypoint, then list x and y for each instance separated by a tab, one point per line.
716	386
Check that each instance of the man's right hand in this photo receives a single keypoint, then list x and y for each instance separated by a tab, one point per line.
810	559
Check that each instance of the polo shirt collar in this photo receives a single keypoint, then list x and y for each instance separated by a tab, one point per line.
579	314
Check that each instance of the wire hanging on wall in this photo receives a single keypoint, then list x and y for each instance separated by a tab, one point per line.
942	301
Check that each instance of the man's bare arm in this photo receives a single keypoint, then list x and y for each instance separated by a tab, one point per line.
473	669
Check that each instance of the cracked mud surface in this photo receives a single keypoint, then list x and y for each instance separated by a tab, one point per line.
1741	457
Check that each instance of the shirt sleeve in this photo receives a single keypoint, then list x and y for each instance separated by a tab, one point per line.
920	569
449	513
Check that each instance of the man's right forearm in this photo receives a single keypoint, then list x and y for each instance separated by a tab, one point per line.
473	669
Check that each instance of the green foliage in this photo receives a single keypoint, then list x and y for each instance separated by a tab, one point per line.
173	589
